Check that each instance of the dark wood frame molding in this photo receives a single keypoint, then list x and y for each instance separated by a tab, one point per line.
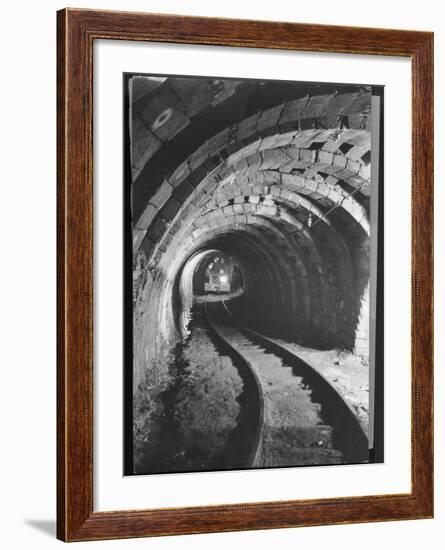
77	30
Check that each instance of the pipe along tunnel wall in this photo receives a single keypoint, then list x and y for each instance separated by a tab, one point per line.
273	174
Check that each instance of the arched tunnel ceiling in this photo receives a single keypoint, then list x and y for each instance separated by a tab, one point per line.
275	173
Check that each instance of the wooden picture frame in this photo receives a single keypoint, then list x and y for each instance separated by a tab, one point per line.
77	31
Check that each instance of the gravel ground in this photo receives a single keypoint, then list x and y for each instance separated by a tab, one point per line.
346	372
192	418
293	431
206	405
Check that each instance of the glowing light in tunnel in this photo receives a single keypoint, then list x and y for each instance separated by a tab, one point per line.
223	279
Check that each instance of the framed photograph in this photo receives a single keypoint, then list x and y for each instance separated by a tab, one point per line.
244	275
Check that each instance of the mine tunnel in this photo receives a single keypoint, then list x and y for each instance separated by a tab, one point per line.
273	175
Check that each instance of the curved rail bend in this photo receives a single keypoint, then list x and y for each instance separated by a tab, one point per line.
252	421
347	434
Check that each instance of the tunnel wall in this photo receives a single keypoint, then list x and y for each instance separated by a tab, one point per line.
285	189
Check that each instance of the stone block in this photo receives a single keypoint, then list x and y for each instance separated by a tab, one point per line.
212	163
229	219
312	173
199	221
156	229
269	118
217	142
291	113
277	140
254	161
147	217
196	234
162	194
365	172
195	199
273	159
317	106
286	195
344	174
159	101
138	236
360	105
245	152
247	127
308	155
295	164
170	209
180	173
325	157
358	151
241	166
269	177
336	108
353	166
308	123
168	130
147	246
293	180
254	199
260	189
211	184
332	169
323	188
320	167
144	144
274	190
268	201
225	172
334	195
356	137
194	94
331	146
269	142
198	157
360	121
241	218
242	180
340	160
304	139
248	208
292	151
331	180
182	192
355	181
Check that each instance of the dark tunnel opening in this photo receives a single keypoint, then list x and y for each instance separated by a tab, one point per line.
290	289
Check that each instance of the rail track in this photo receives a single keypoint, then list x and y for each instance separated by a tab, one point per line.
290	414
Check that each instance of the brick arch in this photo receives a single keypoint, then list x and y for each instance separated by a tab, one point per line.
272	170
295	280
266	274
289	198
340	110
254	189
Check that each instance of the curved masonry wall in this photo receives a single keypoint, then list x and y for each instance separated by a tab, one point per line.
285	190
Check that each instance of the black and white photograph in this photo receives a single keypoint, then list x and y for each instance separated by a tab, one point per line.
222	275
253	249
